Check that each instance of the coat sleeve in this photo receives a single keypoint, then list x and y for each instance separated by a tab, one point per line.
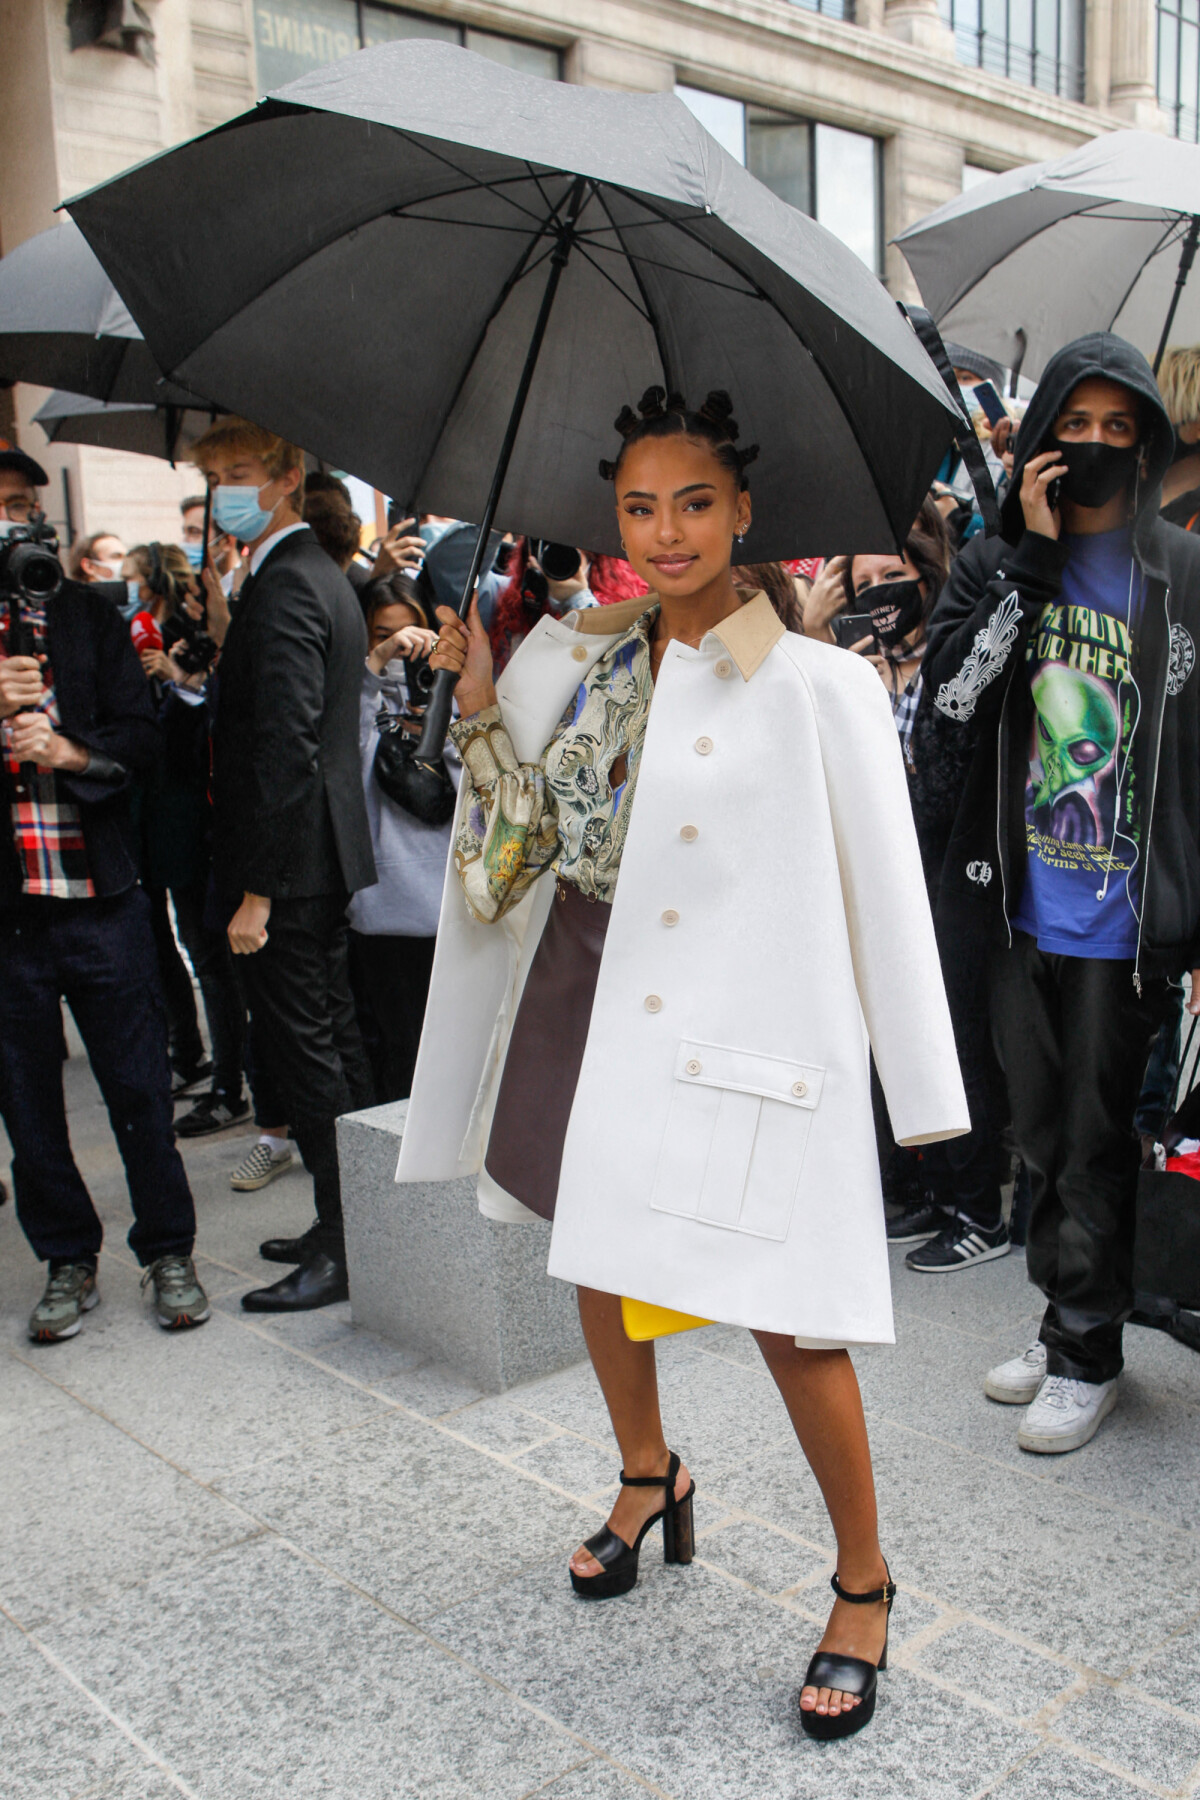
982	621
896	967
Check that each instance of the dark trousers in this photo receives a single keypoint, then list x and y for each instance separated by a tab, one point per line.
99	956
224	1006
963	1174
1073	1036
307	1039
187	1046
390	980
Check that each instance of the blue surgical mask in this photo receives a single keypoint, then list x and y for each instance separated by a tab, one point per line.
236	510
134	603
194	554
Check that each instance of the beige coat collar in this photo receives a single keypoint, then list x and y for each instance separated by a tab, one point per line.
748	634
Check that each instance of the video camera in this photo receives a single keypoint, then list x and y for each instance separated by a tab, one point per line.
29	567
555	562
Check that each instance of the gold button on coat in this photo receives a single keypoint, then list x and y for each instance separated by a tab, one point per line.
703	746
693	1067
724	668
670	917
579	653
799	1088
689	833
653	1003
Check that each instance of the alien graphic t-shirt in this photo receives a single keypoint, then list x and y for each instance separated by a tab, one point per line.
1082	821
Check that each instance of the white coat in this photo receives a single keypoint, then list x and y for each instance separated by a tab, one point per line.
720	1157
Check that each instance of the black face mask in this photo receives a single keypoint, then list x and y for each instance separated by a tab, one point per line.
1095	472
896	609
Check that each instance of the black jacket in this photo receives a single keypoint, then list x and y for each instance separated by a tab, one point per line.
104	703
973	671
290	820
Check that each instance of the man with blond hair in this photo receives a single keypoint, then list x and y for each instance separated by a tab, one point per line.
1179	385
291	840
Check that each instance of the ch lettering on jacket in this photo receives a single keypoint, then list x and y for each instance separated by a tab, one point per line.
959	697
979	872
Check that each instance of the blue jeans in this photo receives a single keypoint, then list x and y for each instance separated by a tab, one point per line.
98	956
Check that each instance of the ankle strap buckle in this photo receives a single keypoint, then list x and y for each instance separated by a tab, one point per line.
886	1592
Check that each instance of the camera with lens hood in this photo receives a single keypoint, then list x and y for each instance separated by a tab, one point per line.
29	567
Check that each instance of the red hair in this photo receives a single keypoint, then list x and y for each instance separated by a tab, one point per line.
610	579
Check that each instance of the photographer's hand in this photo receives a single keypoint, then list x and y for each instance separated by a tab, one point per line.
410	640
21	685
34	740
247	930
826	599
402	548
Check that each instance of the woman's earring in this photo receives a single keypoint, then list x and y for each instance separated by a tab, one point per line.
740	534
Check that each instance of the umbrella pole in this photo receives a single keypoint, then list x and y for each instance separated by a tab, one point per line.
437	711
1186	258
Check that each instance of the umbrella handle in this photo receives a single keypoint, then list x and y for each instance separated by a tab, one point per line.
437	709
1187	257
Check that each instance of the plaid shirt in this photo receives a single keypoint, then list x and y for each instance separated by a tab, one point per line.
47	830
904	711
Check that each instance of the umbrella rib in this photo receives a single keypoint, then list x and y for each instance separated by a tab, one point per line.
650	262
628	298
1161	245
651	315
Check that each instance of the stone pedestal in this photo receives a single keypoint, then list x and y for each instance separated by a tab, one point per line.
427	1271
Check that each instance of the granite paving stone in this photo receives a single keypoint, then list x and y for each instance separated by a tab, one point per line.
1172	1672
764	1558
1053	1775
573	1463
1017	1680
593	1780
329	1697
1147	1740
54	1744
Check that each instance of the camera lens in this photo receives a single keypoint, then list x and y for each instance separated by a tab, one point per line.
33	572
560	562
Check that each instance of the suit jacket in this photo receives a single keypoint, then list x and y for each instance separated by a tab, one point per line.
104	703
290	821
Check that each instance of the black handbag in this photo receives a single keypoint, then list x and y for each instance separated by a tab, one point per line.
393	754
1166	1244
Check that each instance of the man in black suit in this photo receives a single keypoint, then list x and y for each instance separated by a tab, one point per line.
77	722
291	839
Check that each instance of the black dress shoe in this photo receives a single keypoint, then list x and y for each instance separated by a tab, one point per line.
290	1250
318	1282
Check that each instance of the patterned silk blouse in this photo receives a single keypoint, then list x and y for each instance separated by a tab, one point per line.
563	811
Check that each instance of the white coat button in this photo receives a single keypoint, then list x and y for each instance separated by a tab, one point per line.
724	668
703	746
579	653
670	917
689	833
693	1067
653	1003
799	1088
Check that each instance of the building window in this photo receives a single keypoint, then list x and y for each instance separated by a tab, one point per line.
1036	42
831	175
832	9
291	37
1179	66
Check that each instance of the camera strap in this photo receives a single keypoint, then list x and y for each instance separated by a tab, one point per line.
965	440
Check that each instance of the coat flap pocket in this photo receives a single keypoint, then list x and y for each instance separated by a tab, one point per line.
748	1072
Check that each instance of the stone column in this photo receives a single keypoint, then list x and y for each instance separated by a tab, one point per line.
919	23
1133	92
920	171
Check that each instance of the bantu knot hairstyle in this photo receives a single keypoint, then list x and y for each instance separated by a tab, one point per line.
661	414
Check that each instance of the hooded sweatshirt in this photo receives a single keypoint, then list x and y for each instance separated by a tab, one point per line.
1069	664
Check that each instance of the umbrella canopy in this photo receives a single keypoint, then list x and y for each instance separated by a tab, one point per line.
63	324
1093	241
368	257
163	431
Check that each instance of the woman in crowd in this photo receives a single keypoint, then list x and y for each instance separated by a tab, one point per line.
897	594
393	924
762	788
533	593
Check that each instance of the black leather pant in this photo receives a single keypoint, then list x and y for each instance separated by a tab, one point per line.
1073	1036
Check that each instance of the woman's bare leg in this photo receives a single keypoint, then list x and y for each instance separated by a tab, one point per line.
629	1381
820	1391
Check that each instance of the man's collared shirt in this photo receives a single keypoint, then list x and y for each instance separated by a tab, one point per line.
47	829
268	544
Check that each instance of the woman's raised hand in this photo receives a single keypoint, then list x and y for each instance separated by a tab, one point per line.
467	653
826	599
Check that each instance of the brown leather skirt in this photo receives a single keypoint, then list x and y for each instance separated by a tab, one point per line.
545	1051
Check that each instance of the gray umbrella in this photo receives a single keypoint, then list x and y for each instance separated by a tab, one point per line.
63	324
164	431
1100	240
450	276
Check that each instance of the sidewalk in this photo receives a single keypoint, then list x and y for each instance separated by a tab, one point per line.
290	1562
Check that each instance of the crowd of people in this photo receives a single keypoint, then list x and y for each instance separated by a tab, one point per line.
197	737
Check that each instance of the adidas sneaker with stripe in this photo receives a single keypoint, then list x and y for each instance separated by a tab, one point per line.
959	1246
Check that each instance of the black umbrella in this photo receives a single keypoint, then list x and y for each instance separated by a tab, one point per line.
63	325
164	431
450	276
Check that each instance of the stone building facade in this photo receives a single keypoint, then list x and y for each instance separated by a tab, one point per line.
867	113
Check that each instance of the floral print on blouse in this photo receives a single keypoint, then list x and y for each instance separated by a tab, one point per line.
561	812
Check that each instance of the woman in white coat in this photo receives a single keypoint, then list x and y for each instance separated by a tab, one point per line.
685	1085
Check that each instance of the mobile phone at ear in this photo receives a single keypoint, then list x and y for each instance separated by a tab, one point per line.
851	628
1053	491
990	403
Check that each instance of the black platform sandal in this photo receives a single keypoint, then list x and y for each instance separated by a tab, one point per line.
619	1560
847	1674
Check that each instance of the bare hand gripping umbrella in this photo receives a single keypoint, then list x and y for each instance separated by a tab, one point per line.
449	277
1100	240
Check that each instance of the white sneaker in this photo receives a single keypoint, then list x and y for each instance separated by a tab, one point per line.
1016	1382
1066	1414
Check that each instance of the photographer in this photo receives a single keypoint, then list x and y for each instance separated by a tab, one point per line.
544	578
77	722
393	924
